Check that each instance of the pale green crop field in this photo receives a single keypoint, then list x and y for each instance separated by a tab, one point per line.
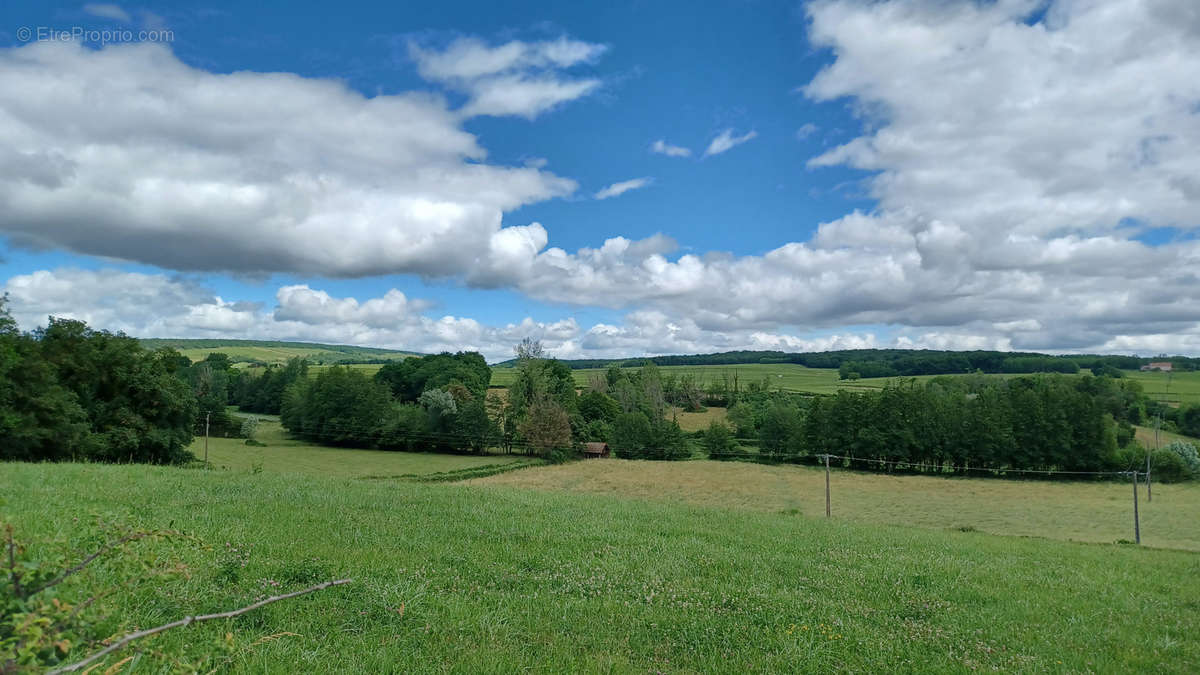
276	355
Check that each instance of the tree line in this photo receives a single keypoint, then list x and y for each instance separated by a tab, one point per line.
68	392
954	424
905	362
442	403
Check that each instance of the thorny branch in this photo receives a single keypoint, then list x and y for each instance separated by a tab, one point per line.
187	620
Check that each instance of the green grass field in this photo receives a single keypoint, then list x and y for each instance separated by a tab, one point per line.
1078	511
1183	387
264	354
796	378
268	351
284	455
1145	436
782	376
453	578
368	369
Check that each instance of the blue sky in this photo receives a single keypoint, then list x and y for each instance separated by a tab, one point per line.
905	177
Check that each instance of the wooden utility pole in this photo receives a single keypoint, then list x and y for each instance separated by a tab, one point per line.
827	510
1137	527
207	417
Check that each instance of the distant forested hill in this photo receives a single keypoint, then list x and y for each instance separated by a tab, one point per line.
903	362
273	351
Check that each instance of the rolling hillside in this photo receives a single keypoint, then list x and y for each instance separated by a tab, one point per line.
272	351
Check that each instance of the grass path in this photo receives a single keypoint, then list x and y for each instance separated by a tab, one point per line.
1080	511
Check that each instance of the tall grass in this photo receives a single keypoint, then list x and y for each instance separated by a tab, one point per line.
453	578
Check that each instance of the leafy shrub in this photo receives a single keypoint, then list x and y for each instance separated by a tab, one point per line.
249	428
38	628
1167	467
718	439
1179	461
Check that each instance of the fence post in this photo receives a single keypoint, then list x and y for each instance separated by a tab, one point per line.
1137	528
827	511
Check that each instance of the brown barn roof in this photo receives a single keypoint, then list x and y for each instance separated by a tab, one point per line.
595	448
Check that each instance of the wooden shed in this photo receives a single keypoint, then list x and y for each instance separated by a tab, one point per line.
596	450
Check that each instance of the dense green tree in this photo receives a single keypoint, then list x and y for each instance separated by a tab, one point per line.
667	441
741	416
595	406
39	419
409	378
780	433
477	429
718	439
407	428
631	435
210	381
541	378
263	393
546	428
340	406
1188	419
137	409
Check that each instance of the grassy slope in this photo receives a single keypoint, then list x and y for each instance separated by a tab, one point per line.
475	579
272	352
284	455
1145	436
1096	512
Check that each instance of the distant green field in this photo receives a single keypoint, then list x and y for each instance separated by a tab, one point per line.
1173	388
368	369
284	455
779	376
782	376
267	351
1184	386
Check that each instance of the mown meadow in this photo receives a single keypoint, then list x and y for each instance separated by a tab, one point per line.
278	453
455	578
1091	511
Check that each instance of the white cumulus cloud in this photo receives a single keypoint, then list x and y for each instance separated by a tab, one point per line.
127	152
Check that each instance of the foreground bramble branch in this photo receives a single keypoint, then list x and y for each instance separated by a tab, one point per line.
187	620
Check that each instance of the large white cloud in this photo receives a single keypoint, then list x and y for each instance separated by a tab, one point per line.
1014	161
129	153
1014	157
